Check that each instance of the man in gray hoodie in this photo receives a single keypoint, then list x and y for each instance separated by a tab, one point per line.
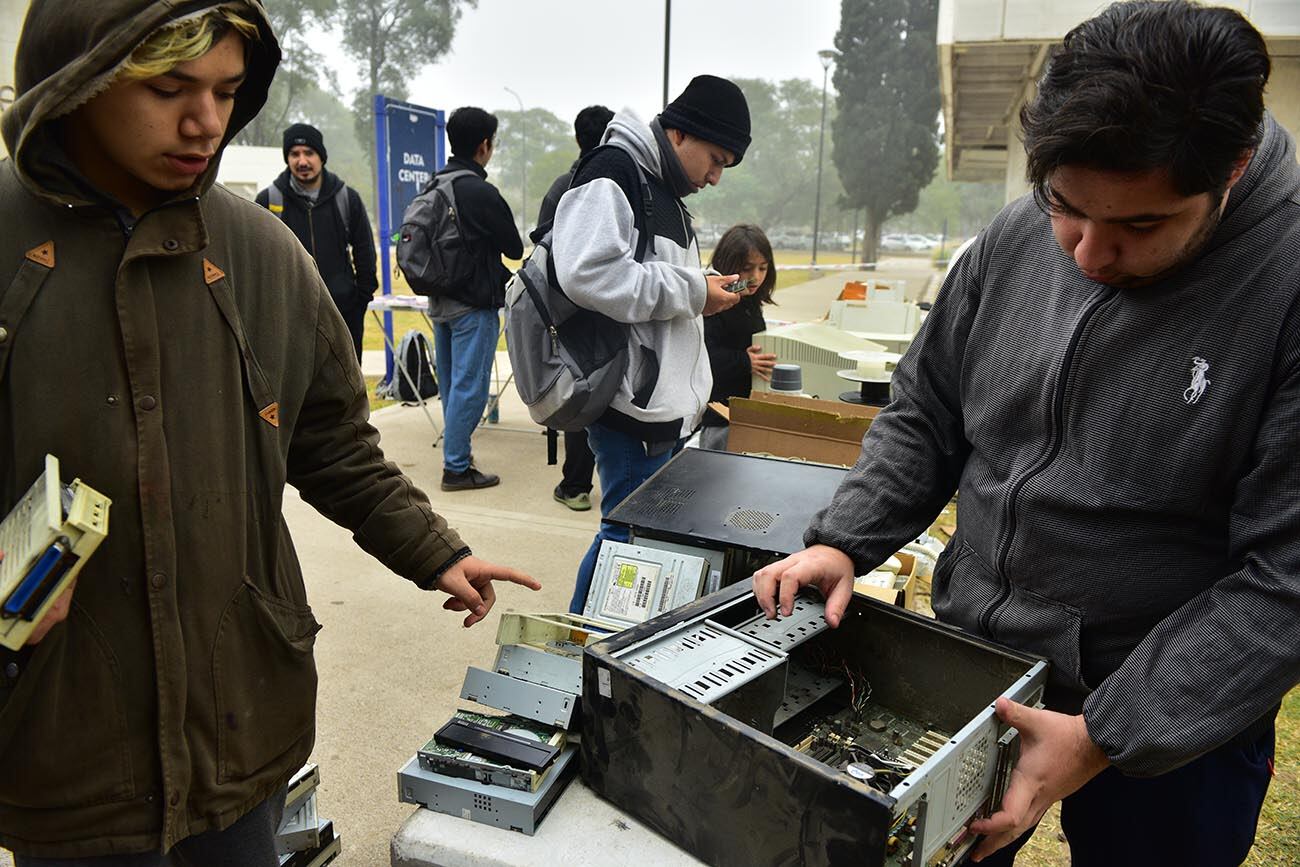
619	193
1111	375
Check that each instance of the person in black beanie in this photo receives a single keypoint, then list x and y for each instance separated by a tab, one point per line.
330	220
623	245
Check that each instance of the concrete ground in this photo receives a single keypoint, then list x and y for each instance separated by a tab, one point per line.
390	660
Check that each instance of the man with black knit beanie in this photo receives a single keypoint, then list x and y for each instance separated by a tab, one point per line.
633	192
330	220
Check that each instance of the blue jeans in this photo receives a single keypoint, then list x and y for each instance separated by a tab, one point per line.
464	349
1203	813
623	465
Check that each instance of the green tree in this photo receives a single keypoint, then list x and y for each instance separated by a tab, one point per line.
300	71
964	207
775	185
392	40
886	131
348	157
551	149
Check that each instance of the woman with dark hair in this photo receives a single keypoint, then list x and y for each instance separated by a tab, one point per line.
728	336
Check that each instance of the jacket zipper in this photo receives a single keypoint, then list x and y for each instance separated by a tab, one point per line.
1053	449
311	229
686	233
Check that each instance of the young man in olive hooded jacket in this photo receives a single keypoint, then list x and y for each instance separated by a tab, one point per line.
175	347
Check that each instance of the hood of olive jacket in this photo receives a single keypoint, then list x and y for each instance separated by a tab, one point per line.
189	367
70	52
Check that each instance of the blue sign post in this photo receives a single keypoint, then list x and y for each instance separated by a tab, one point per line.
409	143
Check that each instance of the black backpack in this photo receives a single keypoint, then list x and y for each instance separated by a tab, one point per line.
413	379
431	248
568	361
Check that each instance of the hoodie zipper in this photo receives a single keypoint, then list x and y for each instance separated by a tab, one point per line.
1093	304
311	227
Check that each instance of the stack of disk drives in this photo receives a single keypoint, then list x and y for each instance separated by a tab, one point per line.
44	542
304	838
507	770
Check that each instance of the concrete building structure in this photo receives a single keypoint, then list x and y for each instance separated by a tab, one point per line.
991	53
245	169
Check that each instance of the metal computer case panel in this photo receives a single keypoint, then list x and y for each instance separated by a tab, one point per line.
730	792
720	499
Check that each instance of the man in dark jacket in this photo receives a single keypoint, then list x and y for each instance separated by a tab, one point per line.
574	489
201	368
330	220
1111	375
466	322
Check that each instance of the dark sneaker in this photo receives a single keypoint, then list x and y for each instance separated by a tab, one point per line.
469	480
576	502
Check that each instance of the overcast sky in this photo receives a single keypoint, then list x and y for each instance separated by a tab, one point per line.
566	54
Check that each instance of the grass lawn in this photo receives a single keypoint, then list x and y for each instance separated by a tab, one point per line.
403	320
1278	838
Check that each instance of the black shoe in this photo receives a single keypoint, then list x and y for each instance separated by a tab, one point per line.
469	480
579	502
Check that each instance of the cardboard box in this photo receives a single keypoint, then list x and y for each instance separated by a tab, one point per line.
825	431
903	593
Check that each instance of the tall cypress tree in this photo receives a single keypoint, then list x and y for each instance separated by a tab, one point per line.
886	131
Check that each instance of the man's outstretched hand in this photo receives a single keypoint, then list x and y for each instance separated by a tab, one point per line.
1056	758
470	584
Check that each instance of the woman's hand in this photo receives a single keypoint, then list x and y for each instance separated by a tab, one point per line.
761	363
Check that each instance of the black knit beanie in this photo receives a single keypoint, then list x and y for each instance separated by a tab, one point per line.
713	109
306	134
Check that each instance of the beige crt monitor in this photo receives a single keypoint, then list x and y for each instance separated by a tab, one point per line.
44	542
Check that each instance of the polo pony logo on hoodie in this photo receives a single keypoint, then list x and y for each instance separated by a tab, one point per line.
1192	394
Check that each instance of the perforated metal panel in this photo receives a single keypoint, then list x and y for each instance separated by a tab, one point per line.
668	501
970	779
770	502
807	618
754	520
704	660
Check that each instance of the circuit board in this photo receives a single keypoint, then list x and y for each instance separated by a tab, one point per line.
879	748
875	746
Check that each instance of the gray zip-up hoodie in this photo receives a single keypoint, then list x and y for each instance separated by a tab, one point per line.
668	380
1127	460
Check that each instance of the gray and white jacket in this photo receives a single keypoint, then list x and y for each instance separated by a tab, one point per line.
668	380
1129	500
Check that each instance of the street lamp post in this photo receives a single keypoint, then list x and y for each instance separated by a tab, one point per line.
827	57
523	162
